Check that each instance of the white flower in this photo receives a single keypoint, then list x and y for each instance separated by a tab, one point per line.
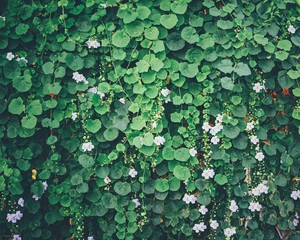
295	222
10	56
22	59
260	189
159	140
295	194
35	197
137	202
154	125
258	87
165	92
45	185
250	126
228	232
167	100
218	127
74	116
296	215
215	140
254	206
14	217
254	139
219	118
16	237
203	210
259	156
90	238
206	127
95	91
291	29
214	224
21	202
189	198
199	227
79	78
107	180
132	172
4	19
103	5
208	173
233	206
88	146
92	43
122	100
193	152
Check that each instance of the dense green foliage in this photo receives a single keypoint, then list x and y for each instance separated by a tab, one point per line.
184	105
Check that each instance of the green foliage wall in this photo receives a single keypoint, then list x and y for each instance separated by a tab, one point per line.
163	119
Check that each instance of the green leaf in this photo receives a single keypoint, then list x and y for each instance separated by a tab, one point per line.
162	185
168	153
182	173
281	180
182	154
48	68
93	126
242	69
152	33
221	179
227	83
147	140
143	12
179	6
284	45
281	55
75	63
35	107
22	83
175	42
86	161
122	188
134	29
16	106
231	131
293	74
169	21
22	29
190	35
138	123
225	66
29	121
111	134
260	39
120	39
188	70
225	24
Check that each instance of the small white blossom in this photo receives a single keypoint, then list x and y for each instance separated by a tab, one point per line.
95	91
214	224
10	56
233	206
35	197
92	43
132	172
167	100
208	173
103	5
260	189
159	140
17	237
295	222
154	125
165	92
21	202
107	180
79	78
199	227
291	29
45	185
259	156
74	116
215	140
22	59
254	206
254	139
203	210
14	217
137	202
295	194
88	146
228	232
4	19
249	126
189	198
90	238
206	127
122	100
219	118
193	152
258	87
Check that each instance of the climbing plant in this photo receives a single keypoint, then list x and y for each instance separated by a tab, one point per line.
137	119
